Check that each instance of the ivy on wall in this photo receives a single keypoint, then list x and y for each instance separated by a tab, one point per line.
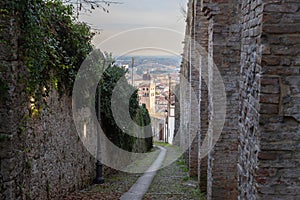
53	45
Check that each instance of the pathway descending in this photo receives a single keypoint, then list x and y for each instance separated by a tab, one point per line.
173	181
138	190
170	182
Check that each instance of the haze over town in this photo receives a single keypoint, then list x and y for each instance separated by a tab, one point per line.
130	15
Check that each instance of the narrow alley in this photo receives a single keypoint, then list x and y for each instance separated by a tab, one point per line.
164	100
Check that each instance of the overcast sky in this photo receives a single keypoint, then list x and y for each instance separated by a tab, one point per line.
126	27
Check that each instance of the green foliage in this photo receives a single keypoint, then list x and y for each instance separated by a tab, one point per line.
5	137
28	195
143	119
197	193
28	165
53	45
139	114
148	130
182	164
164	144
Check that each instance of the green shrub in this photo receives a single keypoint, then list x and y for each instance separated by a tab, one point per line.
138	114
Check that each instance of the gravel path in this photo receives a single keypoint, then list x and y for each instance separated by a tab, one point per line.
138	190
114	187
117	184
171	182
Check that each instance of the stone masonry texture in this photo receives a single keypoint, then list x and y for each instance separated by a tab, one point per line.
255	47
41	156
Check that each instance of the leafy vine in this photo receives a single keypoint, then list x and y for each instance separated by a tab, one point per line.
53	45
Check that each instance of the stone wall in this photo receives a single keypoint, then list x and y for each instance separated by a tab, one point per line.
41	155
255	47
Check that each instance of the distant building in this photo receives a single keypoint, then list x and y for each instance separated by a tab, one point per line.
147	76
152	98
144	95
154	94
171	125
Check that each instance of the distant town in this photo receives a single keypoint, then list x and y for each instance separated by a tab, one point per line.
155	78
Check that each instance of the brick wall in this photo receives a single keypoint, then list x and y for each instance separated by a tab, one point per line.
249	98
255	46
221	40
190	93
223	51
270	106
184	90
194	84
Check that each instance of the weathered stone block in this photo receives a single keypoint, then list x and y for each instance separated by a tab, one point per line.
281	8
269	98
273	18
290	18
270	60
270	89
269	80
297	61
286	50
281	29
266	172
283	71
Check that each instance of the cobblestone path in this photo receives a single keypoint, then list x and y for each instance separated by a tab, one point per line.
171	182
